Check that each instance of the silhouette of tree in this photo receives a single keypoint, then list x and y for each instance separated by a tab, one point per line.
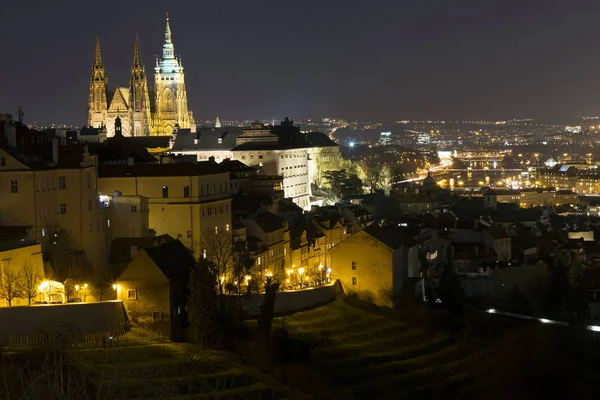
30	281
10	286
203	305
450	290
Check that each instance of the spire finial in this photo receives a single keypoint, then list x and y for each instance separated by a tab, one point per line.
168	31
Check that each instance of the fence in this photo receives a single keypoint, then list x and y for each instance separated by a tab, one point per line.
83	340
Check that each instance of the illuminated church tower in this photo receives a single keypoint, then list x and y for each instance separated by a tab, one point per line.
169	86
97	104
139	112
139	100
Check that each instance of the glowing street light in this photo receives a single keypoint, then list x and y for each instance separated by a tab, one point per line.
351	144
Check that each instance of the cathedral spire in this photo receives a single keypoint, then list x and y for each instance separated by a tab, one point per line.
168	31
137	56
168	50
97	54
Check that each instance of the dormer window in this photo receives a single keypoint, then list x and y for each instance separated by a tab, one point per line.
220	140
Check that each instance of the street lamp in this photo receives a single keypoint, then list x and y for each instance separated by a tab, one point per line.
301	272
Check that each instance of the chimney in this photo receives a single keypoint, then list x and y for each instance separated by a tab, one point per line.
211	159
55	145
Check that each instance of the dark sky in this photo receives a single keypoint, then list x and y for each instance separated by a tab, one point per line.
392	59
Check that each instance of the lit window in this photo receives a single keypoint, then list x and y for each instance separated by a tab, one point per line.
216	230
258	261
354	280
108	223
62	182
227	227
220	140
204	253
131	294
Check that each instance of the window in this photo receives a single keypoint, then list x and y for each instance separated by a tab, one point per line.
203	212
165	192
227	227
260	157
189	234
221	209
186	191
214	188
14	186
204	253
220	140
63	208
2	161
284	251
89	181
62	182
131	294
156	316
258	261
216	230
354	280
353	265
226	208
134	209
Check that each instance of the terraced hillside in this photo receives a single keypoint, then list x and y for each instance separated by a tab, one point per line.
169	371
369	355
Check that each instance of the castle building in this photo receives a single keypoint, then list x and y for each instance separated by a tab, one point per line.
142	112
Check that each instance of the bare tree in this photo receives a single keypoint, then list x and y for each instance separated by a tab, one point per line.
30	280
217	247
10	286
372	170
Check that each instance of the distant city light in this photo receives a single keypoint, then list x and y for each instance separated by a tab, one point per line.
351	144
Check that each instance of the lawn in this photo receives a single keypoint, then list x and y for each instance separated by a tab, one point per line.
376	356
170	371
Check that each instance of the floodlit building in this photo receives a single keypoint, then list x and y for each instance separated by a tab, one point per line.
185	200
142	112
280	150
376	262
47	185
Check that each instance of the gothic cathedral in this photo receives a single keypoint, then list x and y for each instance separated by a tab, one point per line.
141	112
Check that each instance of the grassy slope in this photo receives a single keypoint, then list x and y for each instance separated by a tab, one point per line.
378	356
171	371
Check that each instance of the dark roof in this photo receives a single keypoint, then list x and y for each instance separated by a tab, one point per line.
120	249
206	139
497	232
269	222
120	150
390	235
173	259
319	139
14	232
525	241
171	169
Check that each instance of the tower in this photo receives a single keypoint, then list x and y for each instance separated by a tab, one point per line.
169	85
139	101
118	128
97	104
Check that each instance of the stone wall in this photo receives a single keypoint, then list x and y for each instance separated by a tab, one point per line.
292	301
107	316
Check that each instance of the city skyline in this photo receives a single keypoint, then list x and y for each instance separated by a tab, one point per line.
383	62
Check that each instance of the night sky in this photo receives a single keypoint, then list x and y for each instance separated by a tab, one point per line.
386	60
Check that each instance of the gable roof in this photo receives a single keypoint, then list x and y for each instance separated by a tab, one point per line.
390	235
206	139
173	258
